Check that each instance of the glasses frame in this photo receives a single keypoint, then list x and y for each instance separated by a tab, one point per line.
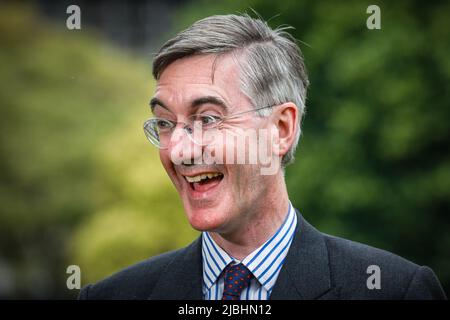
186	127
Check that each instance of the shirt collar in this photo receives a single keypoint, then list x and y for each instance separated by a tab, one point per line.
269	256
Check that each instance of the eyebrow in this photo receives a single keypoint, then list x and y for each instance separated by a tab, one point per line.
194	104
209	99
156	102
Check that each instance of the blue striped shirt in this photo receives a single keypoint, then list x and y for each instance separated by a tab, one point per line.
265	263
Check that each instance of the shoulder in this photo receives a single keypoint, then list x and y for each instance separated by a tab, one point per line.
362	271
134	282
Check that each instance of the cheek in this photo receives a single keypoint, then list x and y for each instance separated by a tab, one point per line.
164	156
217	149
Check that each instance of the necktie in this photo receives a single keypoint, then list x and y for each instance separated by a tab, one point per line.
236	279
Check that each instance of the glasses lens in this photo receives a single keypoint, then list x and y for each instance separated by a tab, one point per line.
202	127
151	133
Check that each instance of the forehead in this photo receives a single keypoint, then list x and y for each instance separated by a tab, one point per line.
192	77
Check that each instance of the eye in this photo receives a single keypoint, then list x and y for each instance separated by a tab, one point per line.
163	124
207	120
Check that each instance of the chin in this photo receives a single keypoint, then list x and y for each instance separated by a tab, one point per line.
205	218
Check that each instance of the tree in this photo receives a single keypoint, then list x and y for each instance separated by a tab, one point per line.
80	185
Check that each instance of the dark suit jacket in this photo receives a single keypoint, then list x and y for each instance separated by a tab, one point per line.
318	266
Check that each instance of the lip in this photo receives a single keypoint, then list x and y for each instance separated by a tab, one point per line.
211	192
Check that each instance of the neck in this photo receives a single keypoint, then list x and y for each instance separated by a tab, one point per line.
256	227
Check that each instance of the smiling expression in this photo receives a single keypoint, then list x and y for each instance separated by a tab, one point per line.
216	197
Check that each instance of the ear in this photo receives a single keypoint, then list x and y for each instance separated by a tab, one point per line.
286	119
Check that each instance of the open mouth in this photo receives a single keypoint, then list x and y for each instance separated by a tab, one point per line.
204	181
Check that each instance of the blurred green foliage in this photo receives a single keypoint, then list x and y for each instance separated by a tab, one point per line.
79	182
373	163
81	185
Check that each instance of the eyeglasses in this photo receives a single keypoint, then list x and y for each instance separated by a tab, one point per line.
198	127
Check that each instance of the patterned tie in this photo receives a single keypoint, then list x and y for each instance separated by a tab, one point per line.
236	279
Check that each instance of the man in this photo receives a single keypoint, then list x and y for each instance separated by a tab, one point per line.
223	78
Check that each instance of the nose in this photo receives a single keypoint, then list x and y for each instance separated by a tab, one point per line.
183	149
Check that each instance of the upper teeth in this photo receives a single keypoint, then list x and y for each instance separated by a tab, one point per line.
200	177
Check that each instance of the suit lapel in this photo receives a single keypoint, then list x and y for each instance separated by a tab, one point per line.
183	277
305	273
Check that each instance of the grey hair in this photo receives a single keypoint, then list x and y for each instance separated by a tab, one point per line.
272	70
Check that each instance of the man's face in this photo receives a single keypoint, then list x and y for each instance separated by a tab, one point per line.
186	87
